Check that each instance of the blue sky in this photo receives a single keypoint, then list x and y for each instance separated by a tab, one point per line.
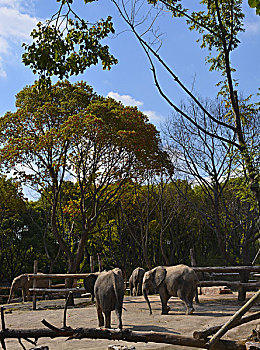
130	80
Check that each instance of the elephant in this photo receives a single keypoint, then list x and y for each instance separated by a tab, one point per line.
25	283
179	280
109	293
136	280
89	283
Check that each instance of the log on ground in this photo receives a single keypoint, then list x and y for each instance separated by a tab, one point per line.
113	334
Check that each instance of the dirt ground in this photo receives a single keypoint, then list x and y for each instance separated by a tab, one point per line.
212	310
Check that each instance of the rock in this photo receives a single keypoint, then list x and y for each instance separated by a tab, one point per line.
121	347
215	290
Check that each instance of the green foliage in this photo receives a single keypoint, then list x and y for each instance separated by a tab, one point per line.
216	36
20	240
64	53
255	4
67	130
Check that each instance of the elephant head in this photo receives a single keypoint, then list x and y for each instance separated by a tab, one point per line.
151	281
89	283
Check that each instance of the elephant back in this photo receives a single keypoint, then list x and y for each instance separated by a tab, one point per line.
180	275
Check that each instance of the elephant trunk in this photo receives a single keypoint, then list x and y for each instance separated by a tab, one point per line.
147	300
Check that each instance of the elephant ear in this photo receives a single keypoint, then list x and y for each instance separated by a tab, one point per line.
90	281
159	275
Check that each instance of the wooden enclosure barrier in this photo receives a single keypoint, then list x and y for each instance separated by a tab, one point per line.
223	270
227	270
4	296
58	289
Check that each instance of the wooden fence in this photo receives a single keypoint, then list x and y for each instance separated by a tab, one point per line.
230	271
233	271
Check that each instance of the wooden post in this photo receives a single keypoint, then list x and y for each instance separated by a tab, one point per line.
244	276
35	269
91	260
100	266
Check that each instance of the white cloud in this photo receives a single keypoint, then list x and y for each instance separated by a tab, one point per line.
15	25
252	27
154	117
15	28
128	100
4	47
125	99
2	71
20	5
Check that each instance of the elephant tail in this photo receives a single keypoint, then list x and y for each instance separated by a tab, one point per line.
115	288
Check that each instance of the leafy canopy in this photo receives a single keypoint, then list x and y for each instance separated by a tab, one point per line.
255	4
53	128
66	46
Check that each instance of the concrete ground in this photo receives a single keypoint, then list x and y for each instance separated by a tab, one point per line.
212	310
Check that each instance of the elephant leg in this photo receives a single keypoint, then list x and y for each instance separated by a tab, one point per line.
188	299
24	295
107	319
164	299
139	289
190	308
119	317
193	293
197	296
100	316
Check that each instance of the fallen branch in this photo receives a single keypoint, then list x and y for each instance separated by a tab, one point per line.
113	334
212	330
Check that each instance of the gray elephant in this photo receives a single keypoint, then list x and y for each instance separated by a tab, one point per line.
179	281
109	294
25	283
136	280
89	283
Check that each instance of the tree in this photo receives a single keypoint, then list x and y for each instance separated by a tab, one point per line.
255	4
217	175
20	241
219	24
67	131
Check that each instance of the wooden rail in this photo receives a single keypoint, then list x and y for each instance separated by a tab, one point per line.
229	270
57	290
58	275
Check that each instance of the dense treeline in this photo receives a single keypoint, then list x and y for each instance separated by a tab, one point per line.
145	227
107	184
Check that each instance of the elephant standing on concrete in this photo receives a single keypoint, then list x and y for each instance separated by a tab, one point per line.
109	294
178	281
136	280
89	283
25	283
